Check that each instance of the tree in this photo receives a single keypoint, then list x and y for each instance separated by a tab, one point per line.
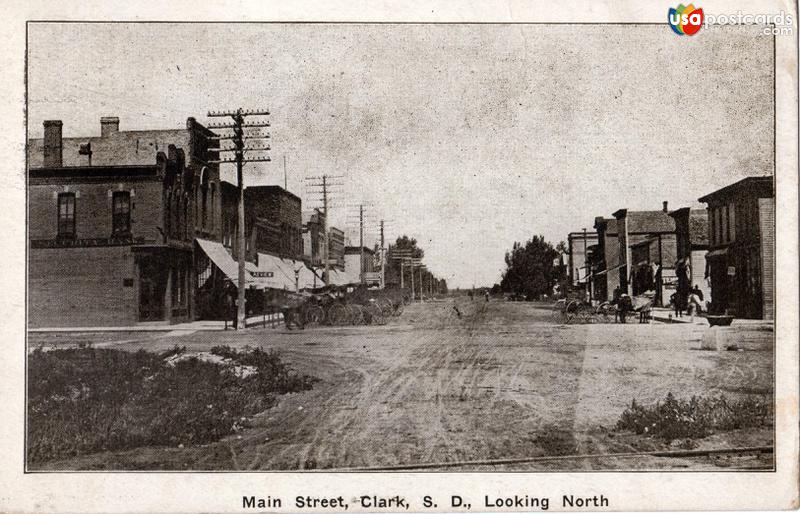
529	268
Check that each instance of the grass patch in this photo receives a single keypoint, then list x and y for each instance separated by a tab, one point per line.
86	400
556	441
696	418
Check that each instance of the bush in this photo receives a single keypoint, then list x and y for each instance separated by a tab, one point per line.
87	400
696	418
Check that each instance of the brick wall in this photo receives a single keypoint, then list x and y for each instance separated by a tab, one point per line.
93	208
121	148
82	287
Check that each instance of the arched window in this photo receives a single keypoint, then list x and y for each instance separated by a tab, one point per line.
186	223
204	200
176	208
168	212
213	205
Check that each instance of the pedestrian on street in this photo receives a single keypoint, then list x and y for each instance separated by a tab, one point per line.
696	299
678	303
624	307
230	307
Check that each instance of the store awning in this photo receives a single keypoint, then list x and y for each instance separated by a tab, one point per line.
720	252
615	268
270	273
222	259
337	278
307	278
288	274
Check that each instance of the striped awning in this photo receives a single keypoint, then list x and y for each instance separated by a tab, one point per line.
222	259
268	272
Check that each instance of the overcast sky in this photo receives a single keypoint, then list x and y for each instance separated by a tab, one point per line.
467	137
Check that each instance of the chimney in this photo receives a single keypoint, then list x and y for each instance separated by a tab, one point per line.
665	207
52	144
109	125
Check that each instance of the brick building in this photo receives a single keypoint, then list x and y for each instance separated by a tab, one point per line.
336	244
313	237
273	221
112	224
741	257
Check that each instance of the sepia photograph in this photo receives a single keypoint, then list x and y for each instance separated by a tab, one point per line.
442	247
400	247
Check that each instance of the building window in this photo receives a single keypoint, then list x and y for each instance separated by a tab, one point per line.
176	210
724	227
205	206
711	227
168	213
213	205
66	215
732	222
186	221
121	213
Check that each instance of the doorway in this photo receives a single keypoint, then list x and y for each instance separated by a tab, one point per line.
152	288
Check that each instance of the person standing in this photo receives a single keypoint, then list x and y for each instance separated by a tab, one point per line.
230	306
625	306
696	299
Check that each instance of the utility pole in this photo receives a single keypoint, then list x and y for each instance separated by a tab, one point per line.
322	185
238	126
361	217
586	265
326	251
416	262
412	281
421	284
361	243
383	259
404	256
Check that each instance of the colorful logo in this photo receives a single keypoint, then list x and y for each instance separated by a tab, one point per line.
685	20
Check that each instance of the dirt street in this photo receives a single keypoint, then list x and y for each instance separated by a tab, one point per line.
501	381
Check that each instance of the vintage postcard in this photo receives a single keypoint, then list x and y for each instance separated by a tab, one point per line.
431	259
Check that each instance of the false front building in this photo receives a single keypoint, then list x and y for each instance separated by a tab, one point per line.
741	256
648	253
